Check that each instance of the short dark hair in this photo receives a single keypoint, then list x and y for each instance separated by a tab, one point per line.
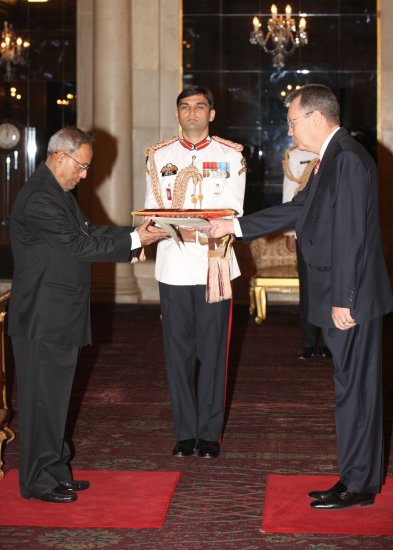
316	97
196	90
68	139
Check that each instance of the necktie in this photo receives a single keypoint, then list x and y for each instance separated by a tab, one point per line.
316	167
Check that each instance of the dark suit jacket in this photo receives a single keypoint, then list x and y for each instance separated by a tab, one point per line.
337	225
53	245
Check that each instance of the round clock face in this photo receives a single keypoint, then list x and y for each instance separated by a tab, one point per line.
9	135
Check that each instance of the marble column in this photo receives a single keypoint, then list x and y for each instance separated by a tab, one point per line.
108	194
385	125
128	76
157	80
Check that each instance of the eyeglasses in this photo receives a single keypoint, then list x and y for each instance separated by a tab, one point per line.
82	166
291	122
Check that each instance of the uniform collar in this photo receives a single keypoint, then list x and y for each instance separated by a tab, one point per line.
195	146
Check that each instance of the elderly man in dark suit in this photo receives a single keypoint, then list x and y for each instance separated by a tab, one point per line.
53	244
337	224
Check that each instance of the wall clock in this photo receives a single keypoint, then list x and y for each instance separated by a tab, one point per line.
9	135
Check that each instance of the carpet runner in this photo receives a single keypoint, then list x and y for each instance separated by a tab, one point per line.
115	499
287	509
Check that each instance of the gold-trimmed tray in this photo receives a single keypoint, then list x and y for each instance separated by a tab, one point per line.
205	213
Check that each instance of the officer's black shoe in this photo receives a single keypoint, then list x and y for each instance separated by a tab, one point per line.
186	447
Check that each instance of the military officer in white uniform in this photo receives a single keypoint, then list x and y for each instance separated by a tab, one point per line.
203	172
297	167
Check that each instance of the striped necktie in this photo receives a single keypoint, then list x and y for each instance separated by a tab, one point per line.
316	167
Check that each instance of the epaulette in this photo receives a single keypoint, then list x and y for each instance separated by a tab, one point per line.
160	145
237	146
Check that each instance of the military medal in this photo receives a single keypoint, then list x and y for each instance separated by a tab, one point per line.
216	170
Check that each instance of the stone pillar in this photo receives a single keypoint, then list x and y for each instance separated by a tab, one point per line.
385	125
109	197
128	101
156	82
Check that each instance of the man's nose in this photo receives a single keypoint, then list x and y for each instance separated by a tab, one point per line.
83	174
290	131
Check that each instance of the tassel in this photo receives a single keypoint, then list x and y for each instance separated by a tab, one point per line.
218	285
141	257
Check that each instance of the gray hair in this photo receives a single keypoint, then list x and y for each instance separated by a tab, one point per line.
68	139
316	97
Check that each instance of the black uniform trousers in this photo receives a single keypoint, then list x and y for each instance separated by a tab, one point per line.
194	329
357	357
45	374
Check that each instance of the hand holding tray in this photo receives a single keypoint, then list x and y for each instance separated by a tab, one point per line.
171	218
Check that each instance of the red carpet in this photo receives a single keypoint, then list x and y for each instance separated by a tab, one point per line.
292	513
115	499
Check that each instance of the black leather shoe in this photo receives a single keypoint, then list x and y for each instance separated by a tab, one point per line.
339	501
74	485
326	353
307	353
208	449
186	447
338	488
59	495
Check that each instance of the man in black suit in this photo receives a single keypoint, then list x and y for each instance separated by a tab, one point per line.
336	221
53	244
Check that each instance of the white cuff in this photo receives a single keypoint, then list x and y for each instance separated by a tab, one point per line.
135	240
237	228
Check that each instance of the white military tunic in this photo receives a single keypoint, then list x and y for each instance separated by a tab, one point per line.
223	186
298	161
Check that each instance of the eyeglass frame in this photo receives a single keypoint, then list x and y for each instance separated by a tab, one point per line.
82	166
291	122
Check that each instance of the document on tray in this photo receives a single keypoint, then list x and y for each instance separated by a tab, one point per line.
170	224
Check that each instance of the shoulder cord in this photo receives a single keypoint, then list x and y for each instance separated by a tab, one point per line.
303	179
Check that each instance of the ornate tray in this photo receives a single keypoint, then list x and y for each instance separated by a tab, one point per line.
207	214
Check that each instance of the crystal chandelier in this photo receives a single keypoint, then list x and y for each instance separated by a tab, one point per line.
282	36
12	50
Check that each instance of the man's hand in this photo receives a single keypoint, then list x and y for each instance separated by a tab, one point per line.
149	234
342	318
218	228
290	243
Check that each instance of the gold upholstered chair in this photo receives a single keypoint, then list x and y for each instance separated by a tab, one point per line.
6	433
276	271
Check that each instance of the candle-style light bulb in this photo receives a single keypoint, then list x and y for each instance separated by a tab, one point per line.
288	11
274	11
256	24
302	24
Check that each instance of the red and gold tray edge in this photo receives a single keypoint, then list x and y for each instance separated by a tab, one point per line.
183	213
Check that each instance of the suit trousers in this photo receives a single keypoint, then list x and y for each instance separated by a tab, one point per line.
309	332
357	357
194	329
45	374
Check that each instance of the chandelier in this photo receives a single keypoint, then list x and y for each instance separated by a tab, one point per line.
12	50
282	37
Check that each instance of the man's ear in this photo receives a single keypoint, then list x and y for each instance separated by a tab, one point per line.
318	118
59	157
212	115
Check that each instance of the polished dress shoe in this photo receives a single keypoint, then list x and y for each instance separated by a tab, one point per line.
185	447
338	488
340	501
326	353
208	449
307	353
73	485
58	495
